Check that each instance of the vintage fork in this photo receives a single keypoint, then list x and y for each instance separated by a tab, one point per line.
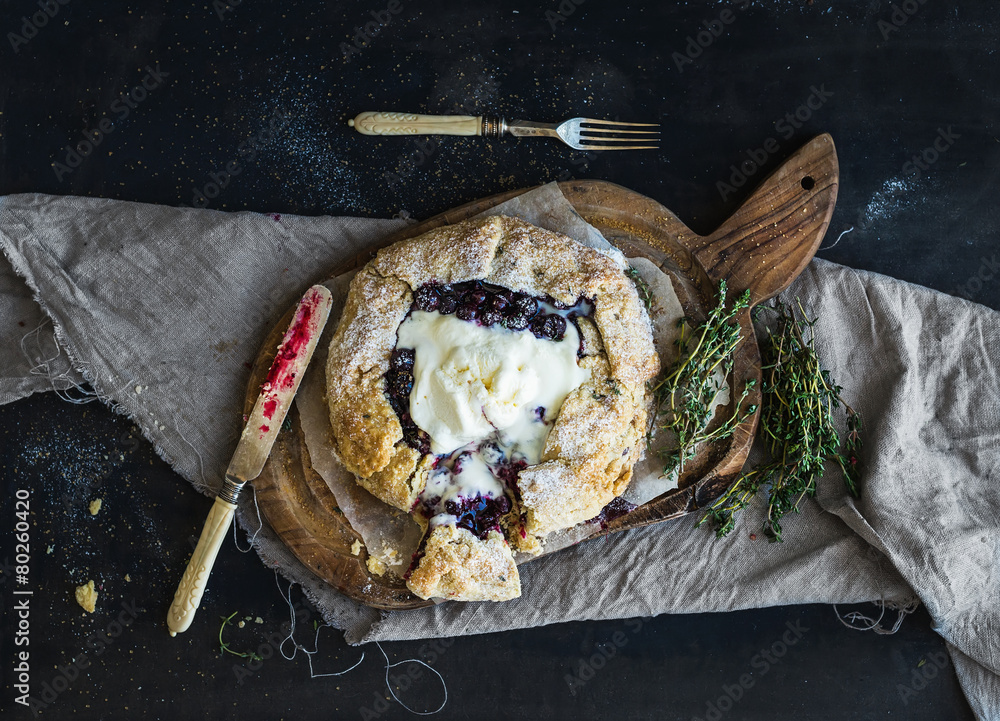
577	133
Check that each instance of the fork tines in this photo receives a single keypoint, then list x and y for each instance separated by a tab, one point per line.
610	135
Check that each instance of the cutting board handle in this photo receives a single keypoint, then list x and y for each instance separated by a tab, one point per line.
765	244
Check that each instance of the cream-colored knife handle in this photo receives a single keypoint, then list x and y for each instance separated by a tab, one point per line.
192	585
370	123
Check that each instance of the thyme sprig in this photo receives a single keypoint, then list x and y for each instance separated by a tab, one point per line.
224	647
684	397
796	424
641	287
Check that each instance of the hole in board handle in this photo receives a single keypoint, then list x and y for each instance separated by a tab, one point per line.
808	183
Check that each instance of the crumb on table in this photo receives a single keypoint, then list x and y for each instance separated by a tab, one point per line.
95	506
86	596
356	547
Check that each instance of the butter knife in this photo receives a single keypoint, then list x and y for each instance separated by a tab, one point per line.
262	427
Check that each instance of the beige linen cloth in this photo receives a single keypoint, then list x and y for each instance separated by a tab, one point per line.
174	303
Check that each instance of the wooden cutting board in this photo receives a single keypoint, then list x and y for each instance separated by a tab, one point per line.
762	247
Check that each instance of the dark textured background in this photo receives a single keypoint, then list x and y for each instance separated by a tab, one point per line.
228	70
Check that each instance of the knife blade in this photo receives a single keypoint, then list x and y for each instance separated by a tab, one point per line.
261	428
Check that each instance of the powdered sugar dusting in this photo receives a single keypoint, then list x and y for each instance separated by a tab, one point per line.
887	202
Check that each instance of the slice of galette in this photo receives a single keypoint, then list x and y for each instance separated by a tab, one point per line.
490	377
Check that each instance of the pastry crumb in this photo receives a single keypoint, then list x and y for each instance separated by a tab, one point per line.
459	565
95	506
376	566
128	578
86	596
258	620
356	547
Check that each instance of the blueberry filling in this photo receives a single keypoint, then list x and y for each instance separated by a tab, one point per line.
398	384
475	487
491	305
426	298
478	514
548	326
508	473
416	557
477	511
616	509
485	304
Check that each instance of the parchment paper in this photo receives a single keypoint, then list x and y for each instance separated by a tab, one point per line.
178	300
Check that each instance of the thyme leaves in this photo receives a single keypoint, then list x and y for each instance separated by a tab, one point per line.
796	425
641	286
684	397
224	647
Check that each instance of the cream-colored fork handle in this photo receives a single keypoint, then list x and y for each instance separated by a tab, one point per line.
195	579
379	123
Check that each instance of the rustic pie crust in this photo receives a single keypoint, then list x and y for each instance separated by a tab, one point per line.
593	444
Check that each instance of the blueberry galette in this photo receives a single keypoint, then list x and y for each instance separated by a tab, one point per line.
489	377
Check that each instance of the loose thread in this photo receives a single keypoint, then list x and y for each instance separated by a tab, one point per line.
412	660
287	597
297	646
838	238
874	624
260	524
203	484
858	616
42	367
64	395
